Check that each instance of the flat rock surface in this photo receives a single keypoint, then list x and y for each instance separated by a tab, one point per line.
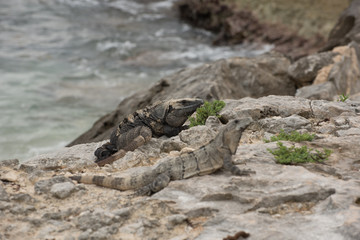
308	201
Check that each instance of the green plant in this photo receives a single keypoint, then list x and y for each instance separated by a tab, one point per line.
343	98
294	136
293	155
203	112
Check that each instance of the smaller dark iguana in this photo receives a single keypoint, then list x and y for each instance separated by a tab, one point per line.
205	160
161	118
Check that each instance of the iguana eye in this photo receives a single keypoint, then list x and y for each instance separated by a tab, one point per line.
236	121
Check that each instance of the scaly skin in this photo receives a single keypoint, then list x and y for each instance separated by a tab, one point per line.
205	160
161	118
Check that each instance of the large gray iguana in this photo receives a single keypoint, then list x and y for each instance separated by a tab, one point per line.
161	118
205	160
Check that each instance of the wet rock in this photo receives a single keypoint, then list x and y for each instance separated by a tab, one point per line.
62	190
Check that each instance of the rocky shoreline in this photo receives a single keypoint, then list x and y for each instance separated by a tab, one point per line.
38	200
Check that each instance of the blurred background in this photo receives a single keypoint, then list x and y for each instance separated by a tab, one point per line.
65	63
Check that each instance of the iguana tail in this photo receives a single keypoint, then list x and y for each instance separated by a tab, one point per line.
127	182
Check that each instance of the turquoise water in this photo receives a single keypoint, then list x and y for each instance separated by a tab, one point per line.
65	63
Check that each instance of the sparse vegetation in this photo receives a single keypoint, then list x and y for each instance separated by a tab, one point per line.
203	112
293	155
343	97
294	136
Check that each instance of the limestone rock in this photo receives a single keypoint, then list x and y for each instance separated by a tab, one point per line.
3	194
9	163
325	91
330	77
62	190
306	69
223	79
197	136
45	186
291	200
66	158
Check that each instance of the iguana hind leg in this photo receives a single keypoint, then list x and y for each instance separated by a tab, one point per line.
134	138
105	151
229	166
127	141
160	182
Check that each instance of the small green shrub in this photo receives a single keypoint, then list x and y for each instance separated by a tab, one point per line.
294	136
208	109
343	98
293	155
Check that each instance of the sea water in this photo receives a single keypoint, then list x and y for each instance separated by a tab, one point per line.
65	63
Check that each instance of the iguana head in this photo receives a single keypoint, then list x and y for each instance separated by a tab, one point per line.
232	133
176	112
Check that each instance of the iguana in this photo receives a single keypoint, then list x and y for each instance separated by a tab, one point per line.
161	118
205	160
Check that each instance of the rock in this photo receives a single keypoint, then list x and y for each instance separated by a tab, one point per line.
96	220
347	28
172	144
291	200
62	190
197	136
176	219
9	175
334	77
223	79
305	70
12	163
288	124
23	198
238	25
262	75
45	186
3	194
22	209
66	158
325	91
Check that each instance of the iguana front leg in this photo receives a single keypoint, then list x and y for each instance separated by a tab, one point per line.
229	166
160	182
